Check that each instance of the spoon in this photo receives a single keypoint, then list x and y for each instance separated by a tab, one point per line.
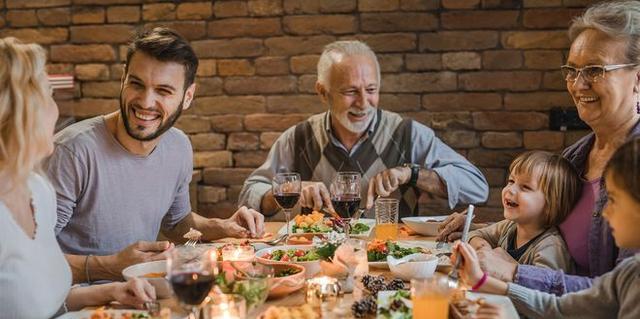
453	275
277	240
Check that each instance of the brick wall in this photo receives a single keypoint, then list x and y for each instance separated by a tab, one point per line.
482	73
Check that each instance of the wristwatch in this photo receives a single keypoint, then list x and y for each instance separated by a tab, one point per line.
415	171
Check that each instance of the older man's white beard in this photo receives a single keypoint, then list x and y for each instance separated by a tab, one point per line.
358	127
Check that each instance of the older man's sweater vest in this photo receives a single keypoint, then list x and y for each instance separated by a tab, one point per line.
316	158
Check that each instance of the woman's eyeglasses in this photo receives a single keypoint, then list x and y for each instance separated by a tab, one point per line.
591	73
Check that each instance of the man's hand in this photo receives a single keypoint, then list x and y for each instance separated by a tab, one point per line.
139	252
134	292
245	222
451	228
315	195
386	182
498	263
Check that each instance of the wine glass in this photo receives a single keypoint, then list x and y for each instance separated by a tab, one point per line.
345	193
286	190
190	272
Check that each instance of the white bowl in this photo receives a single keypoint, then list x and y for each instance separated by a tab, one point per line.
424	225
419	266
312	268
163	288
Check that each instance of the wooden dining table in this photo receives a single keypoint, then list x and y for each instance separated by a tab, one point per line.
298	298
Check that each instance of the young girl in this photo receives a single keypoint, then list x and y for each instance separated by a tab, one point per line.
613	295
540	192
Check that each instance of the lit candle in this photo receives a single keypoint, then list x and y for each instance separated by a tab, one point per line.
323	289
226	307
238	253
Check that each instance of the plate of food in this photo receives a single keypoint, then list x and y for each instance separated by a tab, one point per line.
304	255
155	272
464	304
287	279
378	250
299	312
102	313
394	304
424	225
318	223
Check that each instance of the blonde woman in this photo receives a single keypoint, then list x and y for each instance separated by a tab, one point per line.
35	278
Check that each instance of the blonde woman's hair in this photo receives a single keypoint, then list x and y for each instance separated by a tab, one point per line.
23	94
338	50
557	179
616	19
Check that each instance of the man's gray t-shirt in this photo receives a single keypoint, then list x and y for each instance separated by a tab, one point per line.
109	198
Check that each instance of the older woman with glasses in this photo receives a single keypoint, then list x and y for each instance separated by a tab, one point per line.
603	78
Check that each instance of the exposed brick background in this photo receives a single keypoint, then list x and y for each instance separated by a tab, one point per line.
482	73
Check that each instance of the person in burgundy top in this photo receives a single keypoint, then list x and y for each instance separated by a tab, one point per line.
603	78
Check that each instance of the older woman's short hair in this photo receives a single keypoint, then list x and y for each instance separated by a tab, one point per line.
616	19
336	51
23	93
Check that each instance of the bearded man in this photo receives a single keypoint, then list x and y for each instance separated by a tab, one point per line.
124	177
396	157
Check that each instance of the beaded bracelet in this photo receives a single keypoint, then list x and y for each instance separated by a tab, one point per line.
480	282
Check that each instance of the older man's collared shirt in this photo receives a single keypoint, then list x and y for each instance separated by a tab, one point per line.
313	153
335	141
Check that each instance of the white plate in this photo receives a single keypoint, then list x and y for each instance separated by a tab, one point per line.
504	301
367	221
424	225
115	313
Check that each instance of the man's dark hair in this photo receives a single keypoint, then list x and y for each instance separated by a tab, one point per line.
165	45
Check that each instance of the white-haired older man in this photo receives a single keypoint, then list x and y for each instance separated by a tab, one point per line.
396	157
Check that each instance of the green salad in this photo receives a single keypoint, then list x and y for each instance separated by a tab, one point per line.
295	255
254	290
378	250
359	228
287	272
316	228
395	306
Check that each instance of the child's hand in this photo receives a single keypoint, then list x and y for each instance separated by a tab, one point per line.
490	311
470	270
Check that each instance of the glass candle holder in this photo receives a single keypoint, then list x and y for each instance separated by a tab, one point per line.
225	306
238	253
323	291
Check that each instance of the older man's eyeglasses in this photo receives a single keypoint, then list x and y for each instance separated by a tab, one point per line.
591	73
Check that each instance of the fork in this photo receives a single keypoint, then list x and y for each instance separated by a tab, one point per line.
453	275
191	243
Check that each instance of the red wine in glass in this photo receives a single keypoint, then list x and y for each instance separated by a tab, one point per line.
346	205
191	287
287	200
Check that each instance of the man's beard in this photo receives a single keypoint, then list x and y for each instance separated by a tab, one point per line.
163	127
358	127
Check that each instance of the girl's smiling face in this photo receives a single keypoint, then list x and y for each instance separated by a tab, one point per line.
623	214
522	199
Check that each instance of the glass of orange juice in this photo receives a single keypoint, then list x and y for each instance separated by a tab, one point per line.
431	297
386	218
